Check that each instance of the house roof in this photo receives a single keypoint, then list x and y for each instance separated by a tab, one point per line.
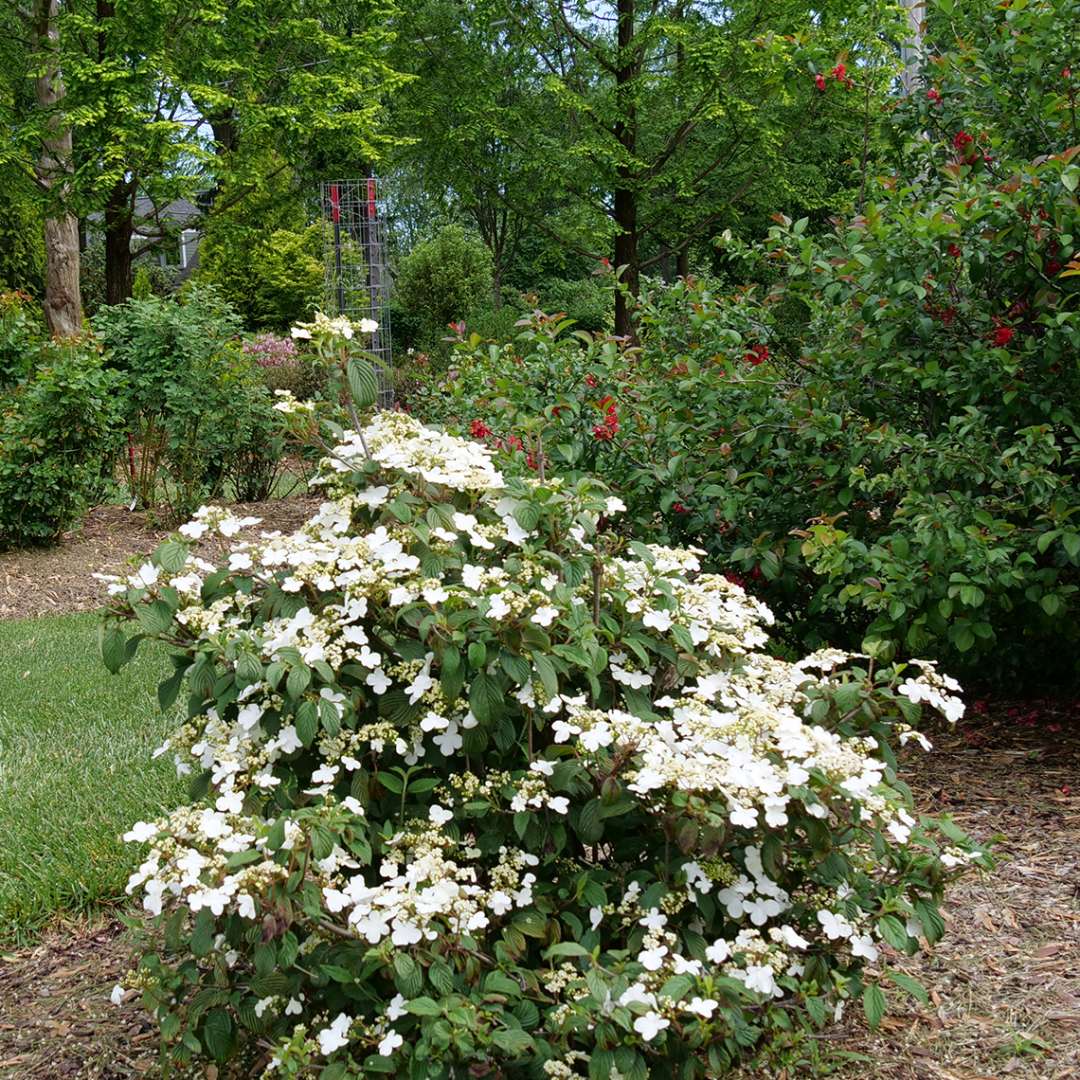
179	214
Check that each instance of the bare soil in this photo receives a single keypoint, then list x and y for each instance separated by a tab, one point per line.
57	579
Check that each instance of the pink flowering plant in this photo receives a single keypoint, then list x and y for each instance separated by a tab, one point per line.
482	787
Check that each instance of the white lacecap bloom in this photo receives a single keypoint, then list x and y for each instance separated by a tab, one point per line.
650	1025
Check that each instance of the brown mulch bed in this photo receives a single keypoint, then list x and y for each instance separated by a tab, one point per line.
56	1019
1004	983
57	579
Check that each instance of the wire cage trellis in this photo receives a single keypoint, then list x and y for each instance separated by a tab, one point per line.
354	257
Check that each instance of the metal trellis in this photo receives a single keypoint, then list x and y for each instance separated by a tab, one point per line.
354	257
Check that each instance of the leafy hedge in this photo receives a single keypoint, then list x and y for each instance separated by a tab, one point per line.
885	441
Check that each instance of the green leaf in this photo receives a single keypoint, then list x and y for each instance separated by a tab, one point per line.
517	667
155	617
171	555
566	948
873	1001
363	383
112	643
912	986
590	824
486	698
527	516
169	689
892	930
513	1040
202	933
217	1034
307	722
242	858
379	1064
424	1006
932	923
546	670
477	655
328	715
441	977
408	975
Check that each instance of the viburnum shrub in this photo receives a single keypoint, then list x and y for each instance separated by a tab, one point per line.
483	787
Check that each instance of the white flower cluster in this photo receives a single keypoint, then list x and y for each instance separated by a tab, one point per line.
339	326
397	441
936	690
425	892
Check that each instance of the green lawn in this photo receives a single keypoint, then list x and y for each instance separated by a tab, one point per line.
75	769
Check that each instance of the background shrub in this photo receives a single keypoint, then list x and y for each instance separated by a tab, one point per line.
196	406
442	280
283	366
57	436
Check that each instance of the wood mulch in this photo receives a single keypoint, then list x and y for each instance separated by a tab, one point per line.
57	579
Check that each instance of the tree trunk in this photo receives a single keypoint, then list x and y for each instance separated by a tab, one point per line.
119	229
626	259
63	300
682	264
912	52
624	211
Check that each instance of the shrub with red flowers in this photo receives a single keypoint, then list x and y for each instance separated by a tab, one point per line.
901	475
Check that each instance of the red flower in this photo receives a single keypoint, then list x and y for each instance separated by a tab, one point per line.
590	379
947	316
1052	267
757	354
962	139
1003	335
513	442
605	432
1066	73
679	508
819	82
839	73
736	579
955	251
479	429
933	95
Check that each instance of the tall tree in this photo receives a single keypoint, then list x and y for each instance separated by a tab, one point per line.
144	101
640	127
41	145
